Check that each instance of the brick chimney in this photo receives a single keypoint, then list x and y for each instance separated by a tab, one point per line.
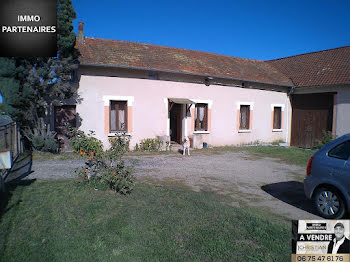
81	32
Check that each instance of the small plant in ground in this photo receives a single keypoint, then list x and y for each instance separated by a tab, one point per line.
82	143
137	148
41	138
327	137
150	144
277	142
119	178
108	168
153	145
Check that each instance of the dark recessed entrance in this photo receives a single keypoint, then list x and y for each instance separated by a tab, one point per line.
176	123
64	115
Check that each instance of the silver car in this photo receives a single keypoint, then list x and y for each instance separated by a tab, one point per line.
327	180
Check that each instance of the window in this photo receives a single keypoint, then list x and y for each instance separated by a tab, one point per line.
277	117
118	116
341	151
244	117
201	117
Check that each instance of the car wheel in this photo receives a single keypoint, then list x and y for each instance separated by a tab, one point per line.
329	203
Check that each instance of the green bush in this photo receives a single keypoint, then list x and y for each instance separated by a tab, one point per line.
150	144
119	178
107	168
84	144
50	144
38	142
327	137
119	145
41	138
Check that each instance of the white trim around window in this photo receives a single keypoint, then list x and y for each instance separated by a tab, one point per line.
250	104
203	101
129	99
277	105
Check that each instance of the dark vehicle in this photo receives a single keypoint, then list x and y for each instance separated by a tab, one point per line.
327	180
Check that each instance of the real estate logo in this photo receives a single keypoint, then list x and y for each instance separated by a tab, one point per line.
320	240
28	28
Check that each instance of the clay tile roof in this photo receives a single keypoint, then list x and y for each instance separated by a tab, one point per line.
328	67
131	54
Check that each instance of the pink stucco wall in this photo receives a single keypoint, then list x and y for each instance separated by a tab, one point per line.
149	116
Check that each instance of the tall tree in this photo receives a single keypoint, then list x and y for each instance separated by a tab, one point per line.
31	86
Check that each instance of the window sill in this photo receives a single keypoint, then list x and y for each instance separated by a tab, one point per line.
113	134
201	132
277	130
244	131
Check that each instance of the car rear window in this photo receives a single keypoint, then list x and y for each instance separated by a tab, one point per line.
341	151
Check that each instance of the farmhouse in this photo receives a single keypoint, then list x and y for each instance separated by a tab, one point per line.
151	91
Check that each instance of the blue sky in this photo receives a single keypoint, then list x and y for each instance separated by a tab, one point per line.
254	29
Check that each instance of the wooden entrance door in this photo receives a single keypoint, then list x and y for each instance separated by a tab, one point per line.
176	123
312	114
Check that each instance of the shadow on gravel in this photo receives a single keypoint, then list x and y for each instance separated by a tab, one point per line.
292	193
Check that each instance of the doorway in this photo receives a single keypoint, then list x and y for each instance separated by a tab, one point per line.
65	114
176	123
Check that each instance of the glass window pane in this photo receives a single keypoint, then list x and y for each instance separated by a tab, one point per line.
113	118
277	118
121	124
201	116
341	151
244	114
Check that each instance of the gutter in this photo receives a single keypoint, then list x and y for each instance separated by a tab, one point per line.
180	72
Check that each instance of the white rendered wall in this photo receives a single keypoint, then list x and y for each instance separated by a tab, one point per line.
150	116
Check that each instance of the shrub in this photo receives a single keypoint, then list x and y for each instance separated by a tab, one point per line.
327	137
119	178
41	138
150	144
119	145
50	144
83	144
38	142
107	168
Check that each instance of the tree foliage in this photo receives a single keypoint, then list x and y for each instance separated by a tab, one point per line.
31	86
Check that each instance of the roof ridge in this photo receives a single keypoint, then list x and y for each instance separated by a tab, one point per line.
320	51
180	48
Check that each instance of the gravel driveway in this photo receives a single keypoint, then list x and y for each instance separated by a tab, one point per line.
262	182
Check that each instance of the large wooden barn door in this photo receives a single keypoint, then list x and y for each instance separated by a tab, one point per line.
312	114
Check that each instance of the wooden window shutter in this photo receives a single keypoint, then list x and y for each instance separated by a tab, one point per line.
205	121
244	117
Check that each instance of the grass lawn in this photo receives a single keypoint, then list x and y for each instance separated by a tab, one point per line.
64	221
290	155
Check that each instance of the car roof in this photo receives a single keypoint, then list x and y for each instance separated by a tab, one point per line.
336	141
